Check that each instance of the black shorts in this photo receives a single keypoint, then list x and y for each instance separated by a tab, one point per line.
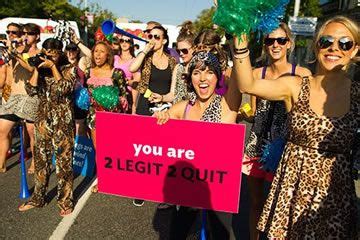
79	114
13	118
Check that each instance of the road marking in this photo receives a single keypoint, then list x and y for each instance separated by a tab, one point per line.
67	221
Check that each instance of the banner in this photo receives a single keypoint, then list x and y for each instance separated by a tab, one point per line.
83	157
188	163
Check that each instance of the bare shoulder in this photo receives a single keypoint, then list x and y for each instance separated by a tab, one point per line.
257	72
302	71
177	110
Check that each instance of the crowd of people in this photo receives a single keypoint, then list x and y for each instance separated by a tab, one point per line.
316	115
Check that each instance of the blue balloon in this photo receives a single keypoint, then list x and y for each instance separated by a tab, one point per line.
82	98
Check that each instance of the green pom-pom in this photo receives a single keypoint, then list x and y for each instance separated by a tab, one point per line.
106	96
242	16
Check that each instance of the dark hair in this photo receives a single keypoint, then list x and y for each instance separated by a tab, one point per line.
32	27
53	43
186	33
19	26
165	35
73	47
131	49
110	59
209	40
201	60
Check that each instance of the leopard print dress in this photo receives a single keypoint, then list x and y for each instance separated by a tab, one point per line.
313	193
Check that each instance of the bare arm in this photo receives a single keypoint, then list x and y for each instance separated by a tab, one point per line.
279	89
2	75
231	102
136	64
253	104
175	112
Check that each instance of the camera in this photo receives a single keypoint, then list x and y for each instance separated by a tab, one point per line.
35	61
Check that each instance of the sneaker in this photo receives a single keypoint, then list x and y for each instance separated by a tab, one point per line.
138	202
163	206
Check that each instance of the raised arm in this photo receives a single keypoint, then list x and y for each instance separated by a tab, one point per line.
136	64
283	88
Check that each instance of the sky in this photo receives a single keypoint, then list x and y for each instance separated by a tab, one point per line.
164	11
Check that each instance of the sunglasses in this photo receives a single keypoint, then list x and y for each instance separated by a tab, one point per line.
344	43
280	40
183	51
147	31
12	32
156	37
125	40
30	33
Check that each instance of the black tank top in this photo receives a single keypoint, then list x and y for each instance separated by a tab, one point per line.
160	82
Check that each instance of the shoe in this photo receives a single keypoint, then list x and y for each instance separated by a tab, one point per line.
163	206
95	189
138	202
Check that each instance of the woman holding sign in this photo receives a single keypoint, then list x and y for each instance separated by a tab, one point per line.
312	195
204	74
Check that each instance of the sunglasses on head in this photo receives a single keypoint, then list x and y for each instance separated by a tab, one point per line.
280	40
30	33
12	32
124	40
147	31
183	51
344	43
156	37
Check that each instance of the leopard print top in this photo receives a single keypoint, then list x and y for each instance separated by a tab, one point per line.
211	114
312	195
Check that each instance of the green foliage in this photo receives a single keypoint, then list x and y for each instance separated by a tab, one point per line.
308	8
204	21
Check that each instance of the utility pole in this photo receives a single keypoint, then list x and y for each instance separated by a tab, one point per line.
296	7
85	21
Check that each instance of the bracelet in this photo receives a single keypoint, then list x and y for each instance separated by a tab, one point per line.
242	56
52	65
77	44
241	50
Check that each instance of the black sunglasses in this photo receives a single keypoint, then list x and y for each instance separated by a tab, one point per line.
280	40
13	32
344	43
156	37
30	33
123	40
183	51
147	31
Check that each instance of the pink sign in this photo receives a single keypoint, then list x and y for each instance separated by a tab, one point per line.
188	163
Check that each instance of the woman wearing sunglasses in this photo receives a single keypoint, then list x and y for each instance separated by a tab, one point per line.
123	61
313	193
185	48
269	119
19	106
156	66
